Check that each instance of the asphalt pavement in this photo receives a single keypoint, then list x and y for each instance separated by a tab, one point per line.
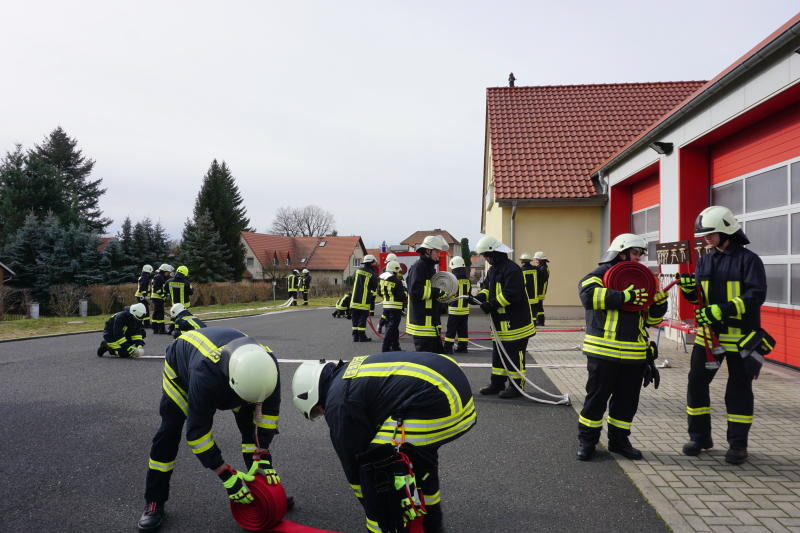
77	431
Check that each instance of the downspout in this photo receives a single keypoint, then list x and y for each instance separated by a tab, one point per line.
513	230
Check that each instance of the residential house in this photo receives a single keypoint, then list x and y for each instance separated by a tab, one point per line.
415	239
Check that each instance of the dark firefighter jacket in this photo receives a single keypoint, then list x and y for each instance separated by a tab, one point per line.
542	278
423	307
186	321
143	290
735	280
504	289
531	276
612	333
180	290
365	286
196	378
123	331
365	399
461	305
343	304
305	283
292	282
393	292
158	288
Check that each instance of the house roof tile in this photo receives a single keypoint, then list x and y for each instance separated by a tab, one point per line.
545	140
304	252
417	237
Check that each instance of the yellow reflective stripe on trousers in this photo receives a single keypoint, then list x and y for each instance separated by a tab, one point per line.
161	467
432	499
203	345
372	526
173	390
590	423
248	447
267	422
741	419
357	490
618	423
694	411
201	444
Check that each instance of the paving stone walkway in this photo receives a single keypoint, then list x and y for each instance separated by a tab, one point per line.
701	493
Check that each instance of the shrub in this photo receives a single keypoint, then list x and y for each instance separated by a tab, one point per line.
64	299
103	296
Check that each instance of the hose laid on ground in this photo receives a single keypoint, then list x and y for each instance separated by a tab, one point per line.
285	304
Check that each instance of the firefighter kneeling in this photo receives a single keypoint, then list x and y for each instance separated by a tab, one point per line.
388	415
124	334
183	320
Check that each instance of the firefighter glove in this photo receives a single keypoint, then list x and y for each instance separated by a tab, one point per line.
634	295
651	375
486	307
234	483
687	282
264	467
660	298
709	315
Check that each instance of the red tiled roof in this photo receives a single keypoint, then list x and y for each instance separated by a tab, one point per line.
101	247
417	237
265	247
545	140
334	255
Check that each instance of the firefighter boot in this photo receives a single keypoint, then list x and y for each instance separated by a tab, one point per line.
363	337
736	456
461	347
356	337
511	391
585	451
152	517
624	448
694	447
448	347
493	388
102	349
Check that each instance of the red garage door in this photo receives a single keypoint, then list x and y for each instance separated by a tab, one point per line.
756	172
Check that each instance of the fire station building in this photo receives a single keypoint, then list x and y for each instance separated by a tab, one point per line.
735	142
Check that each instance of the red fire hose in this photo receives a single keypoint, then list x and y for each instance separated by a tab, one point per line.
627	273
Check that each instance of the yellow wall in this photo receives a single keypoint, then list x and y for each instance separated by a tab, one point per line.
497	223
569	238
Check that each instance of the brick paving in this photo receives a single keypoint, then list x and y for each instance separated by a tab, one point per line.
702	493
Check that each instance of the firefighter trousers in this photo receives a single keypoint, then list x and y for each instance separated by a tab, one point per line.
359	318
613	384
146	302
738	399
457	329
158	315
391	335
164	450
516	351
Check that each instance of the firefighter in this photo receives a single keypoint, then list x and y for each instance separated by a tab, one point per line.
458	310
423	320
342	307
143	291
531	276
159	293
123	334
207	370
183	320
503	296
293	281
733	284
179	289
542	280
385	274
619	357
374	403
394	299
365	286
304	284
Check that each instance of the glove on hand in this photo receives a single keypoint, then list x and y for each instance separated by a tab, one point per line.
443	297
651	375
234	483
660	298
708	315
473	301
264	467
486	307
634	295
687	282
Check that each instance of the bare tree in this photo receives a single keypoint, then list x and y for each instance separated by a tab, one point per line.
309	221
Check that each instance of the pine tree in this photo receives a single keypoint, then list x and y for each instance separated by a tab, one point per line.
82	194
219	196
125	236
21	251
203	251
466	253
140	245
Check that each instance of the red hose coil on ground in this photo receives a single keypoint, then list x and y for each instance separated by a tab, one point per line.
267	509
627	273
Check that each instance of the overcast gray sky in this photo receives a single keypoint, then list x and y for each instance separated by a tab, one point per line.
373	110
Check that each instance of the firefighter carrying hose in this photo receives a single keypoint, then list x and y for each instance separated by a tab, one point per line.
458	310
183	320
375	404
143	292
423	319
504	297
540	262
205	371
394	299
123	334
293	285
158	293
619	356
733	285
365	286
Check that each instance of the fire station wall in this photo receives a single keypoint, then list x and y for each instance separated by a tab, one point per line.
569	237
498	223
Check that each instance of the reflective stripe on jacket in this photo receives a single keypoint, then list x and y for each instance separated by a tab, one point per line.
504	290
422	319
460	306
365	285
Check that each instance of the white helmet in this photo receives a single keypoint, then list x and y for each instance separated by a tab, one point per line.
716	219
138	310
305	271
540	256
138	352
305	387
252	373
391	257
525	257
147	268
369	258
457	262
394	267
434	242
176	309
166	267
487	243
621	243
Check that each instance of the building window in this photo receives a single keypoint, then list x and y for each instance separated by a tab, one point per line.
767	203
288	261
249	262
646	223
274	260
356	261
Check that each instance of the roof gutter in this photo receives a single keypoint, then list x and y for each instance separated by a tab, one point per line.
710	91
597	200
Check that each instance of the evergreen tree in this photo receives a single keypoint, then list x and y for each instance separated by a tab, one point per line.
117	266
140	246
203	251
219	196
125	236
82	194
21	251
466	253
159	242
